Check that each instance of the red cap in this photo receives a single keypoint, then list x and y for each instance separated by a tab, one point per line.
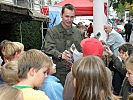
91	46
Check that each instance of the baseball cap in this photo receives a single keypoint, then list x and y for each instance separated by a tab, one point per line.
92	46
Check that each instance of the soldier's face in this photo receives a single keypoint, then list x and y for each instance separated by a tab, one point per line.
68	17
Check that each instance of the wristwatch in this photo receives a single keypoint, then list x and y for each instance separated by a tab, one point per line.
60	56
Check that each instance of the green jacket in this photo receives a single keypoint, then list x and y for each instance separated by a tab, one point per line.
57	40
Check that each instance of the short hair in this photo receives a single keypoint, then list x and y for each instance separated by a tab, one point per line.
79	25
3	43
32	58
9	72
68	6
125	47
91	79
20	46
10	50
10	93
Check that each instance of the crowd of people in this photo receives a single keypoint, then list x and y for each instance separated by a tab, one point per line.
103	71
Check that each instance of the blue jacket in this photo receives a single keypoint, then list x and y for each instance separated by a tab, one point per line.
52	88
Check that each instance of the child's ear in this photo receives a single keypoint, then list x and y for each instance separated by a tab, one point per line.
32	71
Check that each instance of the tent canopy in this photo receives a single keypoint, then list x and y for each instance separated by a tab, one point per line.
83	7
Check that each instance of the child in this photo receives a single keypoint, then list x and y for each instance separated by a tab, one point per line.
12	50
52	86
91	80
2	44
9	72
33	66
10	93
129	68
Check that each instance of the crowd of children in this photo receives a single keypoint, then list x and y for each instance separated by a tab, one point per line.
29	75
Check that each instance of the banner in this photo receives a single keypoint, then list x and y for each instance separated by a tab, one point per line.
54	15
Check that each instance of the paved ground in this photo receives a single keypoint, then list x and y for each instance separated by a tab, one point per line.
131	38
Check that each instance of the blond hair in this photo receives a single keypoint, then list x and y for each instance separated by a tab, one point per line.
9	72
10	93
32	58
10	49
20	46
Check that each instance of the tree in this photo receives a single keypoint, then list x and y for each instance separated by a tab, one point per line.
129	7
120	10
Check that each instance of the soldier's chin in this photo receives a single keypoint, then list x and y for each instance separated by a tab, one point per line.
69	24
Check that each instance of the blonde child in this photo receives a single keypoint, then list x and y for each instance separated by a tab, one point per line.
12	50
10	93
33	66
9	72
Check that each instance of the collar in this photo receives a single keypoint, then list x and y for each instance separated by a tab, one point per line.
65	31
22	87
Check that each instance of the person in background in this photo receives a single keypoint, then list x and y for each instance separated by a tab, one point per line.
52	86
128	30
120	66
59	39
95	84
114	39
83	29
33	67
10	93
90	30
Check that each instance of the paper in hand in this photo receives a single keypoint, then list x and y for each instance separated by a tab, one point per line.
76	54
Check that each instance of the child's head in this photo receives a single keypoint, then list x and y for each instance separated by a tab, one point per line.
3	43
9	72
10	93
90	79
123	50
33	65
10	50
129	68
20	46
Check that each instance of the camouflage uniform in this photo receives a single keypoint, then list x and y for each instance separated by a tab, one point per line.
58	39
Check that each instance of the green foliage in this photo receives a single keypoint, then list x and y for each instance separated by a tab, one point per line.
120	10
31	34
